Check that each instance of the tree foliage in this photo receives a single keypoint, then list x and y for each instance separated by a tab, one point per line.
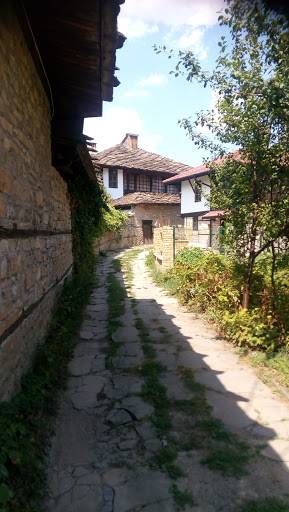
251	86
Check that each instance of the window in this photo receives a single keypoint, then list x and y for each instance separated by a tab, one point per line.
112	178
195	223
198	192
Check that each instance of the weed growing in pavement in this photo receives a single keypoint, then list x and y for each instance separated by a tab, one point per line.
269	504
161	278
229	459
144	332
116	265
113	348
116	308
116	297
164	461
149	351
182	498
152	369
162	330
165	339
215	429
189	379
126	260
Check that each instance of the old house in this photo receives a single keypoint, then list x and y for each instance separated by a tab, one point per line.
205	223
134	178
57	67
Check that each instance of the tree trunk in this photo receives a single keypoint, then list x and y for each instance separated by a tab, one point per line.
251	261
247	280
273	276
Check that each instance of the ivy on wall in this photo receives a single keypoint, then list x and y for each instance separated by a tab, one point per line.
91	218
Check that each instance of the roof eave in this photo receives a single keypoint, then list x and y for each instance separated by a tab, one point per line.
178	179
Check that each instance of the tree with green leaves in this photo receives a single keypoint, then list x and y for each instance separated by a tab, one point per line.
251	86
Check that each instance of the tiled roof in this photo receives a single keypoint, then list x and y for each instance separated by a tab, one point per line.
197	171
213	214
138	159
146	198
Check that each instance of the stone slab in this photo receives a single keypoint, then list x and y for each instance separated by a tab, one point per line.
118	417
232	381
85	396
137	407
130	349
90	348
122	362
80	365
142	491
128	334
278	449
78	430
176	389
98	363
274	429
235	415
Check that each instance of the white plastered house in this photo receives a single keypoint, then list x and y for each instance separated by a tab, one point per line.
205	224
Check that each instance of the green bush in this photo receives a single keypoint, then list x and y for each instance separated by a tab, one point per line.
212	283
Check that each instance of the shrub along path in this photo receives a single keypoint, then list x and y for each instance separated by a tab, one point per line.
160	415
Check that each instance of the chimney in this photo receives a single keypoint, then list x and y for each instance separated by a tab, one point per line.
131	141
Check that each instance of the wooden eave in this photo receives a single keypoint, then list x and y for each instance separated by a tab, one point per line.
77	42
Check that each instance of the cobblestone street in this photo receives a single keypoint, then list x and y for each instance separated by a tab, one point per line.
105	455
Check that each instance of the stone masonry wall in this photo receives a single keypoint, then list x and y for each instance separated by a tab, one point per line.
166	214
112	241
35	228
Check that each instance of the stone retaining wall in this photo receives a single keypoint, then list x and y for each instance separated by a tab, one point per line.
35	228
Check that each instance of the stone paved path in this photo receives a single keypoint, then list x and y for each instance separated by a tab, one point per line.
105	438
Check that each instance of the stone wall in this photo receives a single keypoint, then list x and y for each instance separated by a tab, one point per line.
35	245
122	240
159	214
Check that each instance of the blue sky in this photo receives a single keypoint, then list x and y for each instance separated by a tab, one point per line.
149	101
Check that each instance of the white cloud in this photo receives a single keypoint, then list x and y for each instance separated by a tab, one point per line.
150	142
186	21
135	28
172	13
111	129
194	39
154	79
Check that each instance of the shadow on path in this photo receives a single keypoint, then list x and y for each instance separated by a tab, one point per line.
101	456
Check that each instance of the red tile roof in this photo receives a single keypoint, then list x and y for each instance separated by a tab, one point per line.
138	159
213	214
197	171
146	198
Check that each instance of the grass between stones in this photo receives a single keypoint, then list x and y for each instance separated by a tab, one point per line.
182	498
156	393
223	451
116	297
269	504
